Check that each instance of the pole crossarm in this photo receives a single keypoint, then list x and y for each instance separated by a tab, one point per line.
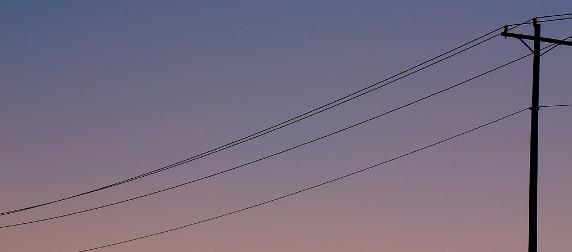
542	39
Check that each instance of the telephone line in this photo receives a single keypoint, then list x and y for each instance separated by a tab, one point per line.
549	16
558	105
306	189
544	21
552	20
272	155
298	118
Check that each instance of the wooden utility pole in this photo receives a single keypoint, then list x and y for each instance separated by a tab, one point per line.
533	193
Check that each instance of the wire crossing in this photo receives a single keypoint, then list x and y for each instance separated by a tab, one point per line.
424	65
308	188
277	153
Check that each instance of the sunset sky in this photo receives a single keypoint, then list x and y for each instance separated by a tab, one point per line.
95	92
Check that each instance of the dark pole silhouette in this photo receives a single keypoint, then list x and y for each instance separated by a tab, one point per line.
533	201
533	193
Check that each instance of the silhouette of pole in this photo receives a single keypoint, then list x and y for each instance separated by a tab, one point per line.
535	107
533	194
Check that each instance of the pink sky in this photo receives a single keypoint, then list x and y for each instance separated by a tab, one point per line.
94	93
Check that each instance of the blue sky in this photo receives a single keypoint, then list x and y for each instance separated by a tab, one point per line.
96	92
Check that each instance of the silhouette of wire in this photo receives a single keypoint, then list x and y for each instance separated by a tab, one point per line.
559	15
556	19
306	189
530	21
298	118
275	154
558	105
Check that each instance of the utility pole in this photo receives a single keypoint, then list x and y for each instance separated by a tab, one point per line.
533	193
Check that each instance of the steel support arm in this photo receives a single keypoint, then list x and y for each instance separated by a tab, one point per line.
549	40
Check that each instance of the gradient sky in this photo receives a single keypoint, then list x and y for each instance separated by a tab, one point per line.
96	92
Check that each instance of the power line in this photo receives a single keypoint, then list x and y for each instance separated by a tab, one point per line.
559	15
560	18
558	105
556	19
309	188
306	189
298	118
272	155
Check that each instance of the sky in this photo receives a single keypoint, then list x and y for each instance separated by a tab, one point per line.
96	92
